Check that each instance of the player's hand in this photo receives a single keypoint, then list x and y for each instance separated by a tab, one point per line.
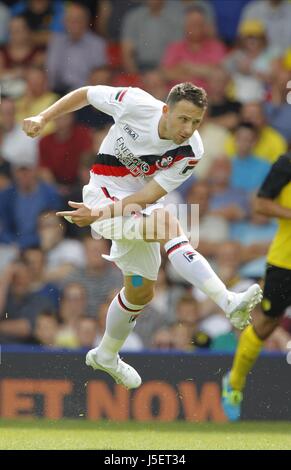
81	216
33	126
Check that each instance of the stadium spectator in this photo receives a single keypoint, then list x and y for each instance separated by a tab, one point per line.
4	22
88	159
14	142
98	137
77	45
73	307
276	16
60	153
270	144
187	315
203	5
36	97
5	169
255	237
19	307
227	342
194	57
155	84
17	54
42	16
86	332
21	204
166	297
34	259
227	261
162	339
146	33
181	337
278	341
63	255
222	110
151	321
213	229
7	252
46	329
227	18
247	172
193	312
225	201
286	320
97	276
92	117
277	109
110	17
214	137
250	65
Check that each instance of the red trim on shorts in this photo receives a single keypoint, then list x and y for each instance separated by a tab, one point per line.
106	193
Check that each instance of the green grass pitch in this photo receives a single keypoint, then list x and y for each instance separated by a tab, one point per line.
80	434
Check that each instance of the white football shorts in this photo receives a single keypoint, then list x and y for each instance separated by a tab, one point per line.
129	251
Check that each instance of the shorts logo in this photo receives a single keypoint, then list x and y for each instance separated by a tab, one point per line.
189	255
134	135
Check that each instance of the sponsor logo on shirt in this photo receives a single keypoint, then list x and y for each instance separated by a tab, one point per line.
135	164
134	135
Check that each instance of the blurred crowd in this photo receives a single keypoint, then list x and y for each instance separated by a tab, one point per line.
55	288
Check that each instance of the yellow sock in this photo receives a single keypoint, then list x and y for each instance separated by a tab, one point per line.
249	347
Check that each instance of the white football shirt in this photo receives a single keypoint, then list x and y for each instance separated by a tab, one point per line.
132	152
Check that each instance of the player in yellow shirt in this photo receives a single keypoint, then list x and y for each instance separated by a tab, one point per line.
274	200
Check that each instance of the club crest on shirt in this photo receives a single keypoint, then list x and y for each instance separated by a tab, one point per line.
164	162
134	135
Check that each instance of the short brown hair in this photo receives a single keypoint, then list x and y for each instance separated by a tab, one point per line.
189	92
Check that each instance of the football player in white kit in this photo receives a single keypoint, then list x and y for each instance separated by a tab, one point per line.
151	149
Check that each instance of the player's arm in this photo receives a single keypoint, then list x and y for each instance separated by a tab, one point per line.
149	194
73	101
83	216
161	184
20	327
278	176
271	208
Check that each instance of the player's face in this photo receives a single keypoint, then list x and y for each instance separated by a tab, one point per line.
182	119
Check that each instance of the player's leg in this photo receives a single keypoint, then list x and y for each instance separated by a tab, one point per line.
122	314
121	319
163	227
139	262
276	298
